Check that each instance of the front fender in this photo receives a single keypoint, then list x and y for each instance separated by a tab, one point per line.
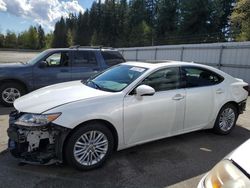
109	109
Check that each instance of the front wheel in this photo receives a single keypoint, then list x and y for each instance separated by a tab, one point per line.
89	146
226	119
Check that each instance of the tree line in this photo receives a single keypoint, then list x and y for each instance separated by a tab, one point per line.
33	38
146	22
123	23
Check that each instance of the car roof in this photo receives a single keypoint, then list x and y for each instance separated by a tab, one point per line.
158	64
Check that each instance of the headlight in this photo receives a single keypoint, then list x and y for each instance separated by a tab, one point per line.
36	119
226	175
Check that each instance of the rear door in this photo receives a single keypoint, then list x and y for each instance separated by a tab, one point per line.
84	65
200	98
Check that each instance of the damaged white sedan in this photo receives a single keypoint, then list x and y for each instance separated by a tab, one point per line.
128	104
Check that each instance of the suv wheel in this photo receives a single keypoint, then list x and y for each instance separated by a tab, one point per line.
9	92
89	147
226	119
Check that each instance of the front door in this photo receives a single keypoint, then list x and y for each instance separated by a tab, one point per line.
150	117
58	70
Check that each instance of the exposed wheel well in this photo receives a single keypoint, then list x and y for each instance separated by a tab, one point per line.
235	104
104	122
15	81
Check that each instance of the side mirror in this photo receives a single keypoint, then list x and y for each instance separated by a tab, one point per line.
42	64
144	90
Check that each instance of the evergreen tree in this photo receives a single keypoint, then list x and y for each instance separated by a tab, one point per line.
23	39
122	24
167	21
49	40
10	40
41	37
136	22
60	35
1	40
220	11
94	39
83	35
70	38
109	23
140	35
33	38
194	23
151	17
95	22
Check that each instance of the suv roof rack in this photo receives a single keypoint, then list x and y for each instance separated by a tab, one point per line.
93	47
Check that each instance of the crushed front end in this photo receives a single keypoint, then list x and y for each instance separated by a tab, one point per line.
36	144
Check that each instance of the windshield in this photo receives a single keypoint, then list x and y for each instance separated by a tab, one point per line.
37	57
116	78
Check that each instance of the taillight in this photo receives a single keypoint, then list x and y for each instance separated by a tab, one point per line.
246	88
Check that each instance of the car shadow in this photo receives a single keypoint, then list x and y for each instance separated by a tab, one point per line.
5	110
156	164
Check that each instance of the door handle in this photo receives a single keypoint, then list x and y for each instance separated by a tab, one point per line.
178	97
219	91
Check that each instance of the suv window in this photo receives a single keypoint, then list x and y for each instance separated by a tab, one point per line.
164	79
58	59
197	77
112	57
84	59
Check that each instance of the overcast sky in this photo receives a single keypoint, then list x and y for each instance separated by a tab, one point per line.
18	15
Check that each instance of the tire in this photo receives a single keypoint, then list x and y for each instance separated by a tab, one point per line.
11	89
226	119
79	155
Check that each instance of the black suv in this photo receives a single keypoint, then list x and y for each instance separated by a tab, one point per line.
53	66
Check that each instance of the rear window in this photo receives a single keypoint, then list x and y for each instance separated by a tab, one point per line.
197	77
112	57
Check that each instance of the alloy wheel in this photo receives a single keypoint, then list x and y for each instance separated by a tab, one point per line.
9	95
90	148
227	119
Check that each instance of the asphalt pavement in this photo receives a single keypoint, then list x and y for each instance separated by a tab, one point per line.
173	162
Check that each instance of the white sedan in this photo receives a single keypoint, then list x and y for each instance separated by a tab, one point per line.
128	104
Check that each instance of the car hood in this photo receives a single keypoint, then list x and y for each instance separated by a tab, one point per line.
241	156
52	96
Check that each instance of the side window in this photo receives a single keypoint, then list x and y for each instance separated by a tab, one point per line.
112	57
84	59
165	79
197	77
58	59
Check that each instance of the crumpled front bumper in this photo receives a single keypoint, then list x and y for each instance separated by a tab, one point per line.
39	145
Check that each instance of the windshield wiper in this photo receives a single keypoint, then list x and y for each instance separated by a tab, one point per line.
95	84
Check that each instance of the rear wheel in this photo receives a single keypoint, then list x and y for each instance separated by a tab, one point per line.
226	119
9	92
89	146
